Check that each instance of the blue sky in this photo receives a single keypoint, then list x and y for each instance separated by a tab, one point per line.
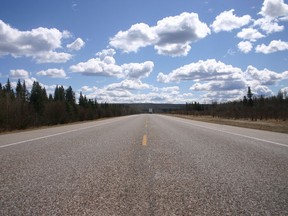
147	51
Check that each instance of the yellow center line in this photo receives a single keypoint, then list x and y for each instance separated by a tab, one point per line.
144	140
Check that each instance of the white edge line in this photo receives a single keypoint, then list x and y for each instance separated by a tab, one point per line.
236	134
52	135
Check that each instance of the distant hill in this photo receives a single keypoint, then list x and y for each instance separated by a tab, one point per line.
157	108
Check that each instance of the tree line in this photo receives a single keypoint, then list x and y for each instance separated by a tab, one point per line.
250	107
21	109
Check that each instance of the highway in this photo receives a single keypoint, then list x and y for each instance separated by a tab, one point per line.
145	164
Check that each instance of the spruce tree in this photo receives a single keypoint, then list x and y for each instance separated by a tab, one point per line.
38	97
70	95
19	90
249	96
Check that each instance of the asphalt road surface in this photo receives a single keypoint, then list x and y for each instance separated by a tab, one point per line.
144	165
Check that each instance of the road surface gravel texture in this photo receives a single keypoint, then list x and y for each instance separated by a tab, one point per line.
144	165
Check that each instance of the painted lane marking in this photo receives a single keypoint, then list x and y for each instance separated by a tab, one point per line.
144	140
236	134
53	135
255	138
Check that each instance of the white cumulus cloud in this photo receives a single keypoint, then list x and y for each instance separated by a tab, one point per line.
250	34
222	85
227	21
274	8
105	65
53	73
138	70
52	57
128	85
19	74
204	70
139	35
273	46
268	25
102	65
40	43
171	36
265	76
245	46
76	45
175	34
223	82
134	91
97	67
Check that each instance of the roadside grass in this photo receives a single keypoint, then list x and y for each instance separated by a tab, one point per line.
268	125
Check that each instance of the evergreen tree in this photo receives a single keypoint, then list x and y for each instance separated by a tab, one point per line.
245	101
50	97
25	91
38	97
1	91
18	89
285	94
280	95
56	94
250	96
59	93
70	95
83	100
8	89
33	108
21	91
